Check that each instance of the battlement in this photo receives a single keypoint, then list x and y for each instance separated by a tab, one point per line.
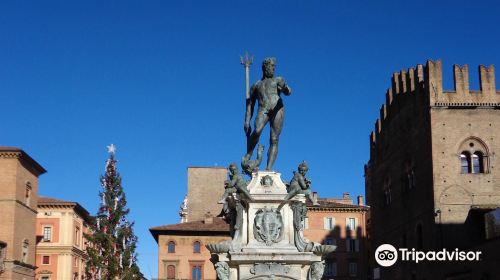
423	85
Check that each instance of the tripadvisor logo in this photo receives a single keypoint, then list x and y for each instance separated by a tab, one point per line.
386	255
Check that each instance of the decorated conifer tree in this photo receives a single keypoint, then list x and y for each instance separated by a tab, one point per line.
111	243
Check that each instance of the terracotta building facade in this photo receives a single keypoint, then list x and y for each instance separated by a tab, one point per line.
60	252
181	248
342	223
431	180
18	207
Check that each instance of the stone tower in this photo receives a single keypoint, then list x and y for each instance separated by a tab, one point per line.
432	174
205	186
18	207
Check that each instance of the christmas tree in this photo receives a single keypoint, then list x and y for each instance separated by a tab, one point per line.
111	243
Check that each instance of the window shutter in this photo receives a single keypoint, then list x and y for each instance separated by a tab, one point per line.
347	224
347	244
356	224
357	245
325	223
333	223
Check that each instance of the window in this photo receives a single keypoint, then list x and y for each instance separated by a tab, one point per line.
465	163
330	268
45	259
473	156
387	192
77	236
27	194
47	234
196	272
352	245
45	277
171	272
409	181
353	269
329	223
25	251
171	247
196	247
387	196
351	224
477	162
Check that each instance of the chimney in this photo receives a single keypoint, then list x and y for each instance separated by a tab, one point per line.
346	195
315	196
209	218
360	200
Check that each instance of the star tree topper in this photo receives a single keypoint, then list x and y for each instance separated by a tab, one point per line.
111	149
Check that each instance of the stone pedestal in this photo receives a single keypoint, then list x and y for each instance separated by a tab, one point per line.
270	243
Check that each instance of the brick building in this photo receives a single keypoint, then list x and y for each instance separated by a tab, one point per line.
18	199
60	225
181	247
340	222
431	179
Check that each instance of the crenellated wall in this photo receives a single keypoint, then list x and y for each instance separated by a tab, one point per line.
426	84
418	192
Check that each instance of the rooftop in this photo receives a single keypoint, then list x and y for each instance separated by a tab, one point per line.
332	203
217	226
13	152
48	201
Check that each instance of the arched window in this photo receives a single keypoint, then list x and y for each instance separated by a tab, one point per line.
171	247
196	247
408	180
478	162
387	191
465	163
171	272
473	156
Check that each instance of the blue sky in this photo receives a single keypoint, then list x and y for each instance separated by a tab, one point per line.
162	81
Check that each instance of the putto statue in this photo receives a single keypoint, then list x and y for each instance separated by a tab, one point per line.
270	109
235	184
300	184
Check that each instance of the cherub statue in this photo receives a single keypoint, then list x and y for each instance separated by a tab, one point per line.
300	184
235	184
316	271
222	270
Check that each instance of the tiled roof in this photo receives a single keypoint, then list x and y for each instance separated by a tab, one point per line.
48	201
326	203
217	226
13	149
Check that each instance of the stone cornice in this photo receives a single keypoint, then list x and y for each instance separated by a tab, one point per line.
46	248
24	158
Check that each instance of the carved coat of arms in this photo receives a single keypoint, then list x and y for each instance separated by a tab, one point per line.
268	226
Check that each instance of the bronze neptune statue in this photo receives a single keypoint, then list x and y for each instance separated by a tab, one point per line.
266	92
